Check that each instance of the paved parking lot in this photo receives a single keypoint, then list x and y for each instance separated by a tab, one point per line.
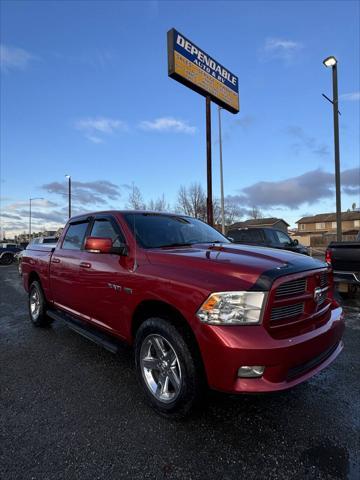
71	410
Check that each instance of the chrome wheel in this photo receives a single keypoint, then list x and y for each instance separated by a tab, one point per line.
35	304
160	368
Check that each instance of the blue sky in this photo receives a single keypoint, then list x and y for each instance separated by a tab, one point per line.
85	91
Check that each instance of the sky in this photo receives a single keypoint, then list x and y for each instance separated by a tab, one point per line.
85	92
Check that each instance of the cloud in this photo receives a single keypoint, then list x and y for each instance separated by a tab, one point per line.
280	49
85	193
55	216
303	140
351	97
42	203
307	188
167	124
10	216
12	58
96	128
350	181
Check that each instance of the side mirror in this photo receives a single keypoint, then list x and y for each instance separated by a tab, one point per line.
104	245
295	242
98	245
231	239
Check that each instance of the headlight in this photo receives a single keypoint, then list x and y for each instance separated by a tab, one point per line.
232	308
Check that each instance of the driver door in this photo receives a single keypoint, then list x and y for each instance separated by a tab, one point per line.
103	276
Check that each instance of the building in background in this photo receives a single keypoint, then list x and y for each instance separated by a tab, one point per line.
320	229
278	223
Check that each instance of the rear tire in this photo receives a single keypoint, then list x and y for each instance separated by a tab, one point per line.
37	306
167	370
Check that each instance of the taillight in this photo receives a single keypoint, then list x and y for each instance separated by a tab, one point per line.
328	256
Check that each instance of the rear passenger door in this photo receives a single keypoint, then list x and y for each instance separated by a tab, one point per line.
65	267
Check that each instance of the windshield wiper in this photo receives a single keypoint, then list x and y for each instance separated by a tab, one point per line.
214	241
176	245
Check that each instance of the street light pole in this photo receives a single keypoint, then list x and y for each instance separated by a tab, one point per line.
332	62
31	199
69	192
209	204
221	177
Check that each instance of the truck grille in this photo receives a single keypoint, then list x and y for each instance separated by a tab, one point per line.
324	279
279	313
295	306
295	287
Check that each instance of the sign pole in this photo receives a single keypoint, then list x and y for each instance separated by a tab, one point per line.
209	205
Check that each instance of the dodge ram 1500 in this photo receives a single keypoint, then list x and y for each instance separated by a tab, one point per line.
200	311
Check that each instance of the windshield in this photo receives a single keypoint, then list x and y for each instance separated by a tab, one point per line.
157	230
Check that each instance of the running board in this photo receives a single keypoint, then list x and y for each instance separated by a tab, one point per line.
87	331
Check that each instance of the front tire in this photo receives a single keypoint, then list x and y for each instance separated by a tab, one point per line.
7	259
37	306
167	369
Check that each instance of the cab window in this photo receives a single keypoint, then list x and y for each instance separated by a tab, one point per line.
75	235
105	228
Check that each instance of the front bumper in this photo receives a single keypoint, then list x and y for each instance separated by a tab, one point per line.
287	361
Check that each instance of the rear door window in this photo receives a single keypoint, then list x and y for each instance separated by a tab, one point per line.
75	235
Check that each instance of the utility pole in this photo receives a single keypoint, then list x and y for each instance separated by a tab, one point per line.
69	192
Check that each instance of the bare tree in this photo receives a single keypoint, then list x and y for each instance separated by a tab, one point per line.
233	210
159	205
135	199
255	212
192	201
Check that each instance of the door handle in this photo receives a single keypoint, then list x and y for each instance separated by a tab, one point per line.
55	260
85	265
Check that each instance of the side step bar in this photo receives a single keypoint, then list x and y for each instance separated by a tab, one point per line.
93	334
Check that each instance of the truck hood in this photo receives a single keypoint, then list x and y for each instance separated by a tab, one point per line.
256	267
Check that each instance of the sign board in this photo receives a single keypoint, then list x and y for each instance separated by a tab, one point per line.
190	65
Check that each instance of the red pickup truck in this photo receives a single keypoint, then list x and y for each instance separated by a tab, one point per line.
200	311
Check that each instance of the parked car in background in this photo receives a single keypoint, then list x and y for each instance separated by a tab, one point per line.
200	311
344	258
266	237
7	252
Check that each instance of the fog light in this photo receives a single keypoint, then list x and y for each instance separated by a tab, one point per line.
251	372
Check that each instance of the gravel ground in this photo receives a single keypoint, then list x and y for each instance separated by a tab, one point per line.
72	410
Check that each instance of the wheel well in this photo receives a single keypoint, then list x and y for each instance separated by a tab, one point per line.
155	308
32	277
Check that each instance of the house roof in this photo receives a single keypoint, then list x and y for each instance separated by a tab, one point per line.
329	217
259	222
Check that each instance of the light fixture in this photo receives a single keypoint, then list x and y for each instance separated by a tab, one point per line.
330	62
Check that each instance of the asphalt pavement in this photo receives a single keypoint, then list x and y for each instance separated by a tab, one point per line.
72	410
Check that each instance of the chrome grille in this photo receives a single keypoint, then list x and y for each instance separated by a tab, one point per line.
295	287
322	298
279	313
324	279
